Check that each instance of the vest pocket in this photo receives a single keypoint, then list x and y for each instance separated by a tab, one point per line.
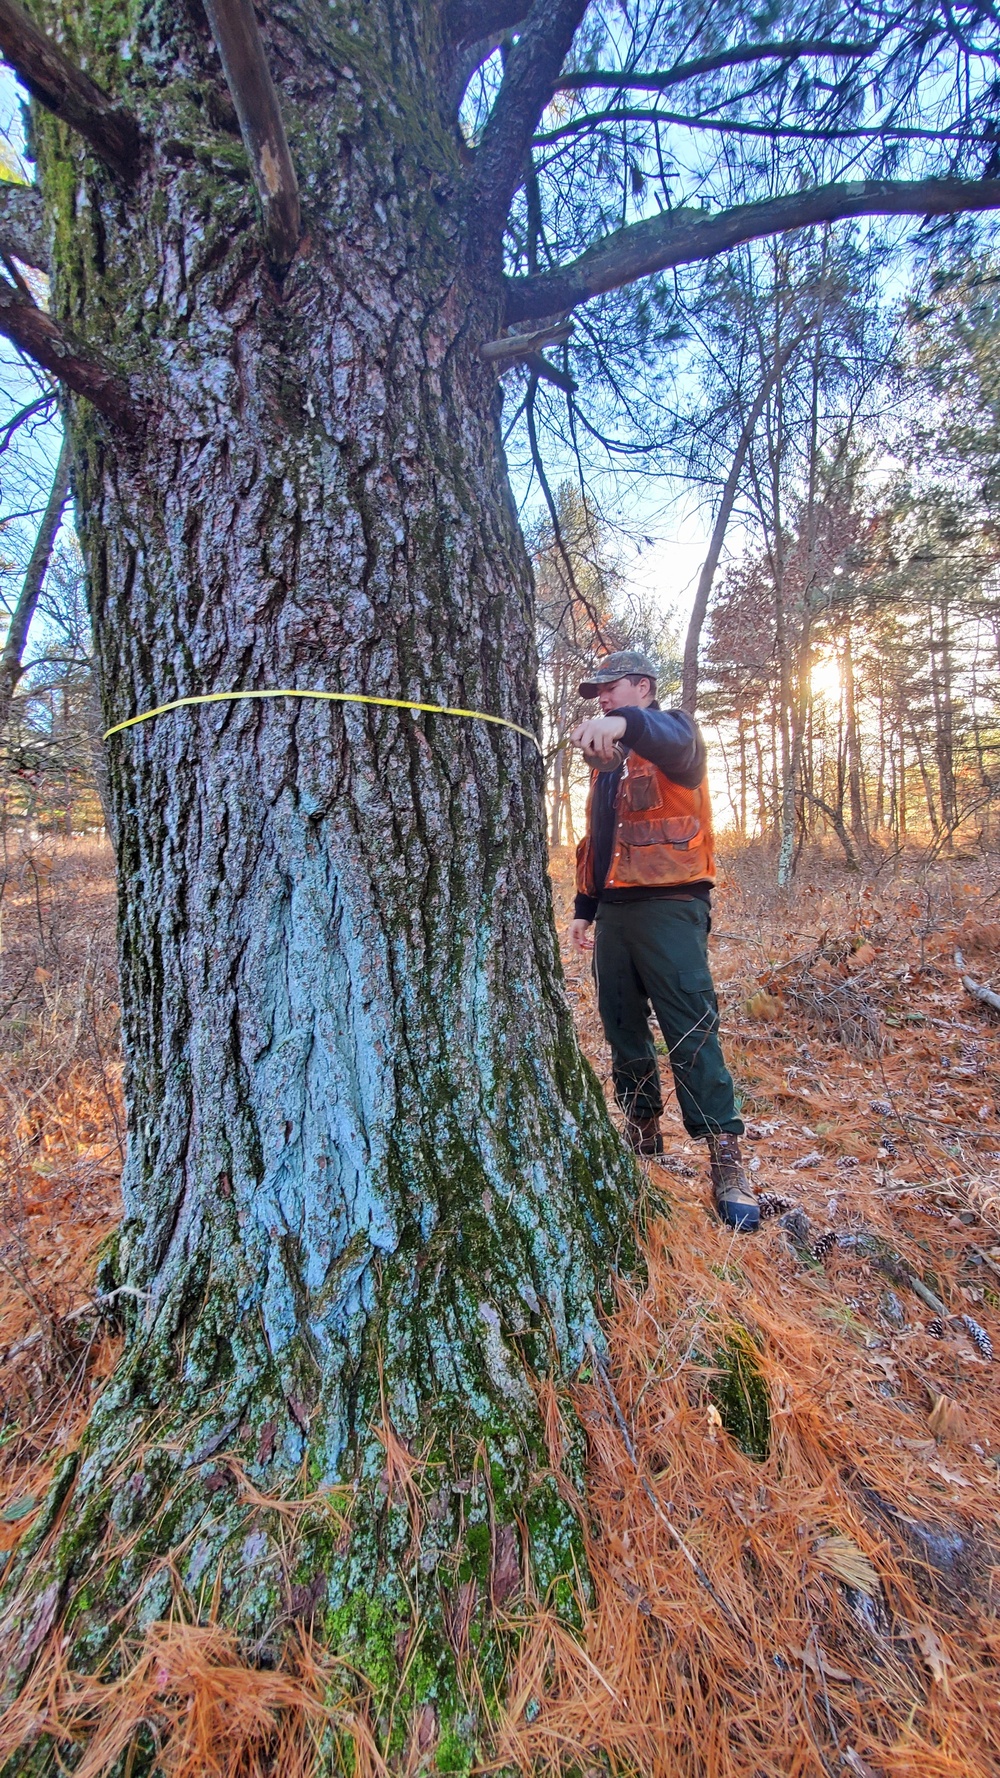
641	792
671	830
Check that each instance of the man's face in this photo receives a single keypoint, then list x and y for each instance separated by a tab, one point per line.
623	695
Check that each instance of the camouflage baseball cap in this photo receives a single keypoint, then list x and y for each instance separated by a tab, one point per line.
622	665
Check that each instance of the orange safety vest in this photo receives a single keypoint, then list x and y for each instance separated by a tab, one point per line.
663	833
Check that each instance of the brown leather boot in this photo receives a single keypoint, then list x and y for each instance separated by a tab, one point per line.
644	1136
734	1199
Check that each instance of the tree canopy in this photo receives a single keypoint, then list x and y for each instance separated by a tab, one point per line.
603	144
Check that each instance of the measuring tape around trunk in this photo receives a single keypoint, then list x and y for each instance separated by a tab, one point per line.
329	697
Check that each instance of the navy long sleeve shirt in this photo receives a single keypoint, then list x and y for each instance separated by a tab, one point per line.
670	740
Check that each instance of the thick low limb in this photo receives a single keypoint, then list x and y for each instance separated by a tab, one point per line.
55	82
682	237
38	336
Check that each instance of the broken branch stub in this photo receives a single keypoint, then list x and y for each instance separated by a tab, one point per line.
238	40
513	346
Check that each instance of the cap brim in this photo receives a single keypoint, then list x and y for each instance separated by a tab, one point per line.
591	687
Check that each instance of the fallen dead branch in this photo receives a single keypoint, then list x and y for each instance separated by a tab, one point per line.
976	990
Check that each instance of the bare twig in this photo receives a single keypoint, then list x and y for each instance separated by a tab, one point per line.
601	1372
96	1305
536	458
43	403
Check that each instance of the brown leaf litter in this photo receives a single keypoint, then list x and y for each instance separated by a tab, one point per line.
791	1519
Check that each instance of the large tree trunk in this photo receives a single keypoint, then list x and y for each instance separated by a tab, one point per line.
369	1178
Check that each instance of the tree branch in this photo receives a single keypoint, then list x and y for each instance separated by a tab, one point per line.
532	67
37	335
238	39
560	542
42	404
23	612
469	58
689	681
521	345
468	21
540	367
52	79
592	120
660	81
22	225
681	237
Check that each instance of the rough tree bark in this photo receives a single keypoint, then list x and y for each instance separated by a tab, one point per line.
370	1180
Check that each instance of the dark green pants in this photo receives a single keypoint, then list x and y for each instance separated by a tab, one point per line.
657	951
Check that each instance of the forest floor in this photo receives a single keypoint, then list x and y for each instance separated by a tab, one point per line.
793	1520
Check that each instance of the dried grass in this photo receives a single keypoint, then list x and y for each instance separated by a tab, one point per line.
189	1693
60	1155
798	1611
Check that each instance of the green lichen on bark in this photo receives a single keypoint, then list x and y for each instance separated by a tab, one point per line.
410	1582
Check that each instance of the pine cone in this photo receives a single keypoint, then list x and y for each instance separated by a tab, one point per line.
935	1327
978	1335
769	1204
825	1245
882	1107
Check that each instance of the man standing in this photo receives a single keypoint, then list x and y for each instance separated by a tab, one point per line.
645	870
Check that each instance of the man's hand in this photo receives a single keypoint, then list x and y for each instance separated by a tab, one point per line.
579	935
598	736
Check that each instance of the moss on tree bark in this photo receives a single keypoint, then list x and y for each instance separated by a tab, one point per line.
370	1181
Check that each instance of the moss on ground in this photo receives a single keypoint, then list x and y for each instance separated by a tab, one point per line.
739	1391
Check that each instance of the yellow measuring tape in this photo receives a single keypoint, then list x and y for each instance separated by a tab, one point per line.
329	697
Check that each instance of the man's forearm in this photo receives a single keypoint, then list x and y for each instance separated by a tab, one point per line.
669	739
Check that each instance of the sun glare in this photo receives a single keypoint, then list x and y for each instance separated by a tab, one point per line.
825	679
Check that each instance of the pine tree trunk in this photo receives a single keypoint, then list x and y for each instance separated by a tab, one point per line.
369	1177
11	663
763	812
853	744
925	779
901	777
